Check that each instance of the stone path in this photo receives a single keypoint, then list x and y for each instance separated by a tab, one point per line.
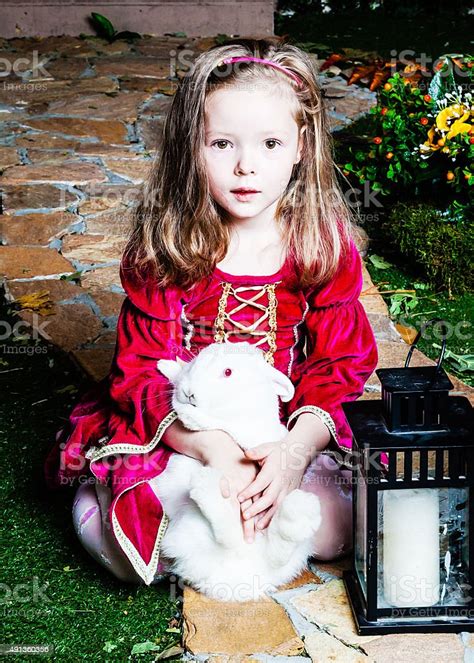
76	140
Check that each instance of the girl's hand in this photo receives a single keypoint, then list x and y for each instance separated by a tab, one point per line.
281	472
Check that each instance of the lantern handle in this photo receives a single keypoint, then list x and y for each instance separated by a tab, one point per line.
444	332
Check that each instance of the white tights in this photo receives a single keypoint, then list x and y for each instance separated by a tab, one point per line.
92	526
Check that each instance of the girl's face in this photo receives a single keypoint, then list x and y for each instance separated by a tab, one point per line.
251	141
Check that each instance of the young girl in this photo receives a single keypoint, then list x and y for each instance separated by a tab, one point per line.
241	234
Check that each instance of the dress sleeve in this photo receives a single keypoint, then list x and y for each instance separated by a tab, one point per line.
341	352
148	329
136	386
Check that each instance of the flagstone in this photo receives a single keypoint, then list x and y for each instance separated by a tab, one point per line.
131	169
68	172
115	223
151	132
123	106
417	648
153	85
65	68
158	46
92	249
141	67
35	96
95	361
111	131
306	577
109	198
109	303
49	157
104	149
37	228
237	628
70	326
115	48
102	277
8	157
35	196
156	106
44	140
103	204
57	289
335	567
325	648
328	607
65	44
21	262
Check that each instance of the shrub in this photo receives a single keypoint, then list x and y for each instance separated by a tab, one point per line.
442	247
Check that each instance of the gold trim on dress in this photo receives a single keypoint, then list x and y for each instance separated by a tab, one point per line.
269	335
322	414
146	572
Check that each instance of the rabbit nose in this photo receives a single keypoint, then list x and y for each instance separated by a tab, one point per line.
191	397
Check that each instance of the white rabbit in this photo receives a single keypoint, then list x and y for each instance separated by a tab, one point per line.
204	538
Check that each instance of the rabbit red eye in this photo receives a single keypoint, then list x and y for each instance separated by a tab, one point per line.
227	372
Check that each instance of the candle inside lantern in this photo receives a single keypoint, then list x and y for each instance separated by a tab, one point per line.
411	567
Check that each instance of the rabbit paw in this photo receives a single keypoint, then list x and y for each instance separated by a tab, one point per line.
299	515
193	418
205	485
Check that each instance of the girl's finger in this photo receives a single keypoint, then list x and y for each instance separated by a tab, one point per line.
267	499
257	486
248	525
225	486
266	518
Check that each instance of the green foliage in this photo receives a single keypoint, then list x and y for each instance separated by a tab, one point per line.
105	29
410	147
442	247
386	160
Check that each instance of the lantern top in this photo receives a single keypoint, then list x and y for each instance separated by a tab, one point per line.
366	420
418	378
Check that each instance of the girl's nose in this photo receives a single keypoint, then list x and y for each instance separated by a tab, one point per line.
246	164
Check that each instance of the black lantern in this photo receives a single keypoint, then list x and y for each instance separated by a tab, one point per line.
413	504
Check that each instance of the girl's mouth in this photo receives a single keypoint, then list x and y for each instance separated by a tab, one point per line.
244	195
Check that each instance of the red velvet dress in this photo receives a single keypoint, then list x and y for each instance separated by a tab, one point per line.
113	433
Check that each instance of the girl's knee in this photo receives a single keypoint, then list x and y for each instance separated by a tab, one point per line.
85	511
331	550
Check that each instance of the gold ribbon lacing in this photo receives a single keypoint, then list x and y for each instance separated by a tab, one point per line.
269	312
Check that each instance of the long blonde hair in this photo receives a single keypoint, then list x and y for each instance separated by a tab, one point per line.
179	232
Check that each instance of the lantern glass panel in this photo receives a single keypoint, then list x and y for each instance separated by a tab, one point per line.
360	552
423	547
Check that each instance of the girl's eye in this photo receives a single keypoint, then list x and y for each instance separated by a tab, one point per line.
219	141
227	372
272	140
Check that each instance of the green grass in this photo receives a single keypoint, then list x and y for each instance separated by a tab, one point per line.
82	609
457	311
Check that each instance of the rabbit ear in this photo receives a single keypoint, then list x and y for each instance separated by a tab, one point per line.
170	368
283	385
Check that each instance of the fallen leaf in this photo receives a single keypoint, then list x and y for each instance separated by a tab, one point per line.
407	333
37	301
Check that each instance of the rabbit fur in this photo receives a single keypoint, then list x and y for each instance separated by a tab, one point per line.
204	538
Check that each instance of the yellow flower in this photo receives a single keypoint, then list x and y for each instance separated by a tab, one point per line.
452	120
430	145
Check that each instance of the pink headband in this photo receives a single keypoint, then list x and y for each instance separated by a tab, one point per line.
285	70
